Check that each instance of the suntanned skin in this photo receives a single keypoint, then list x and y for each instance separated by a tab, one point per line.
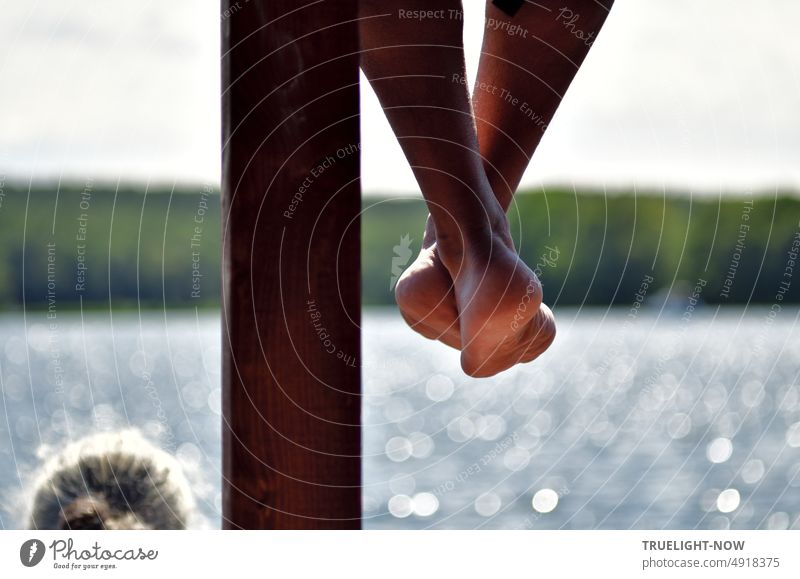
468	287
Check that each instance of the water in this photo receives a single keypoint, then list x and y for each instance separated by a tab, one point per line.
645	422
653	421
159	373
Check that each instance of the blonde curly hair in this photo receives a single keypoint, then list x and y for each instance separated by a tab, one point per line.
111	481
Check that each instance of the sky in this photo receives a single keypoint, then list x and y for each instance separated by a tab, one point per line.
698	95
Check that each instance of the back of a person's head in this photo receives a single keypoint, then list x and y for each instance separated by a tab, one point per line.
111	481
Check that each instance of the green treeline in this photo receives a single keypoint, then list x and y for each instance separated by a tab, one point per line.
97	243
592	248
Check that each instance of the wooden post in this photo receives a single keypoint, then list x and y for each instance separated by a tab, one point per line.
291	265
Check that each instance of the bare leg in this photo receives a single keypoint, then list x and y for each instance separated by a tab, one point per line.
529	60
527	63
416	67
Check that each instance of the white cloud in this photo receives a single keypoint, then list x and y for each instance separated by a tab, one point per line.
675	92
111	88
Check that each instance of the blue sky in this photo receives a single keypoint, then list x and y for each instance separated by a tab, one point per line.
677	93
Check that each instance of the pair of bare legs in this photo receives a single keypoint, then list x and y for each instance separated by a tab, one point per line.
468	287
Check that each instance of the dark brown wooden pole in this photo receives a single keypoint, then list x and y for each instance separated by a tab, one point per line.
291	265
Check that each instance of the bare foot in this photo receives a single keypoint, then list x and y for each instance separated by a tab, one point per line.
499	299
425	296
502	321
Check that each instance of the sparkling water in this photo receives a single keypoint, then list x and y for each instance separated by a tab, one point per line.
656	421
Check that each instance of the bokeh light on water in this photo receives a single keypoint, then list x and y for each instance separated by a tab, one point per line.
159	373
639	426
645	425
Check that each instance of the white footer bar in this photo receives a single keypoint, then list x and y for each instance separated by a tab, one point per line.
400	554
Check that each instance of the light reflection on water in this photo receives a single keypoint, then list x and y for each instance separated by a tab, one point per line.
654	426
155	372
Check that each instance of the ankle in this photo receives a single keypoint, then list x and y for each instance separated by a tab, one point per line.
471	243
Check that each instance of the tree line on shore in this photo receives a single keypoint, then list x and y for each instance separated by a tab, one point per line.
94	244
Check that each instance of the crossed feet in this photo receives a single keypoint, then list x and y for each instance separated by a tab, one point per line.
478	297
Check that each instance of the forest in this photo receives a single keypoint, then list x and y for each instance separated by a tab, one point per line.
94	244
